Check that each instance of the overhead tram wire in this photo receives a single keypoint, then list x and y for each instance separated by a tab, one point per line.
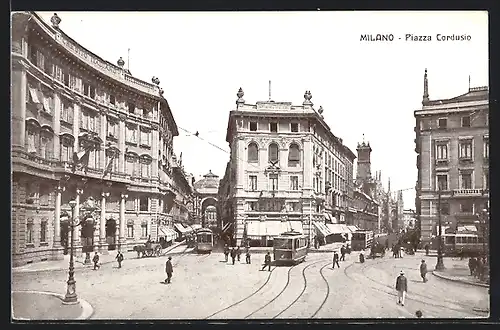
213	144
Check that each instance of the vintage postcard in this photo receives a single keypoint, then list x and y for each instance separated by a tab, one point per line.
250	165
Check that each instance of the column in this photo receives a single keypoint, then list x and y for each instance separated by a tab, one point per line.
154	151
103	133
122	219
56	125
102	227
121	142
57	217
76	237
76	124
18	90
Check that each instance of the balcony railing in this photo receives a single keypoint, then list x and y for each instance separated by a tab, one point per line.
467	192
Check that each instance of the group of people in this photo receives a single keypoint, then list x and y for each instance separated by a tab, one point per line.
235	254
336	259
397	250
477	267
97	264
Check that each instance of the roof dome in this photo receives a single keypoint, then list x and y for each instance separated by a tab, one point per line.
210	181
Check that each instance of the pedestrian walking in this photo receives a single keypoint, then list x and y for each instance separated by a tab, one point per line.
233	254
96	261
267	261
119	258
335	260
427	248
401	287
169	269
423	271
247	255
316	242
226	251
472	265
480	269
238	253
400	251
387	244
342	253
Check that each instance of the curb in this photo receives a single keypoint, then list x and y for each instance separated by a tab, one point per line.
448	278
23	271
87	309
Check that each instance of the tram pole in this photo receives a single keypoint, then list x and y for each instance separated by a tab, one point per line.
440	264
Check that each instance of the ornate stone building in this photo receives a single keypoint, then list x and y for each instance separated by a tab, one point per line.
206	201
452	146
84	129
287	170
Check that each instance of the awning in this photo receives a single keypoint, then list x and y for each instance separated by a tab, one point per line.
467	228
353	228
336	228
196	226
188	229
168	233
180	228
322	228
257	229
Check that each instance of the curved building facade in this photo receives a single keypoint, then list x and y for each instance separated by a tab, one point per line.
85	130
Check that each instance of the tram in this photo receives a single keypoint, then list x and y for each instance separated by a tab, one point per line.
361	240
204	240
290	248
466	244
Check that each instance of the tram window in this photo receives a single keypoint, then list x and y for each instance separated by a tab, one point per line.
449	239
480	240
281	243
469	239
297	244
474	239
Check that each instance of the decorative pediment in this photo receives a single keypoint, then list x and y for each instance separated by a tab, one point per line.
272	169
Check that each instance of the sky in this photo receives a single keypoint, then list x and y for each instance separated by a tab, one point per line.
370	88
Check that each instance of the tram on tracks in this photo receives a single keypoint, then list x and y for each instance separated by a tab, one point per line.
204	240
464	244
290	248
361	240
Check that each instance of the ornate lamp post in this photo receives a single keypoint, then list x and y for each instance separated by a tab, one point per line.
71	297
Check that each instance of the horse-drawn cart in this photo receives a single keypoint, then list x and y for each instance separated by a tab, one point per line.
148	249
377	250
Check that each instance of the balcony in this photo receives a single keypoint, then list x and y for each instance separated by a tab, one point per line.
441	162
467	192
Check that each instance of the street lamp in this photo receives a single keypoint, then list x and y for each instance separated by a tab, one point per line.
440	264
71	297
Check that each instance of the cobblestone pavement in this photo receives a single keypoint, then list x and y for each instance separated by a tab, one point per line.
204	286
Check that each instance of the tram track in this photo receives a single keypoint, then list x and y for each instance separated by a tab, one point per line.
327	291
464	308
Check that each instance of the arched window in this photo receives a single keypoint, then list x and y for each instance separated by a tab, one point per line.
32	137
293	155
273	153
46	145
253	153
131	164
145	166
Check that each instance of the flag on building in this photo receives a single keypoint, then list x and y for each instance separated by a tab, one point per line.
81	158
109	166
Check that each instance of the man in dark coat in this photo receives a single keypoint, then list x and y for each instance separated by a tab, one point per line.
119	258
342	253
386	244
233	254
169	270
267	261
472	265
423	271
335	260
427	248
96	261
226	251
401	287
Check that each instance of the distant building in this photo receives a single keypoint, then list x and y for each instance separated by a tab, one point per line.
452	146
287	170
409	220
206	201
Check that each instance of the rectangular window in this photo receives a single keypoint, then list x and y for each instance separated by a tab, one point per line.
43	231
273	127
294	182
294	127
40	60
144	230
112	99
466	207
144	204
253	126
442	181
273	182
486	180
253	206
145	138
48	66
252	182
486	148
29	233
441	151
131	107
442	123
131	134
466	181
466	121
130	231
66	79
130	204
44	199
112	129
465	151
129	165
33	54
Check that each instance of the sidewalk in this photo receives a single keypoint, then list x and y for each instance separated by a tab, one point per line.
55	265
458	271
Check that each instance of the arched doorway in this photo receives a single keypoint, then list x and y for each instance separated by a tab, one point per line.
88	235
111	234
64	231
209	213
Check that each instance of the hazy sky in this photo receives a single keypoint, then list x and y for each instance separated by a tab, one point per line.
364	87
